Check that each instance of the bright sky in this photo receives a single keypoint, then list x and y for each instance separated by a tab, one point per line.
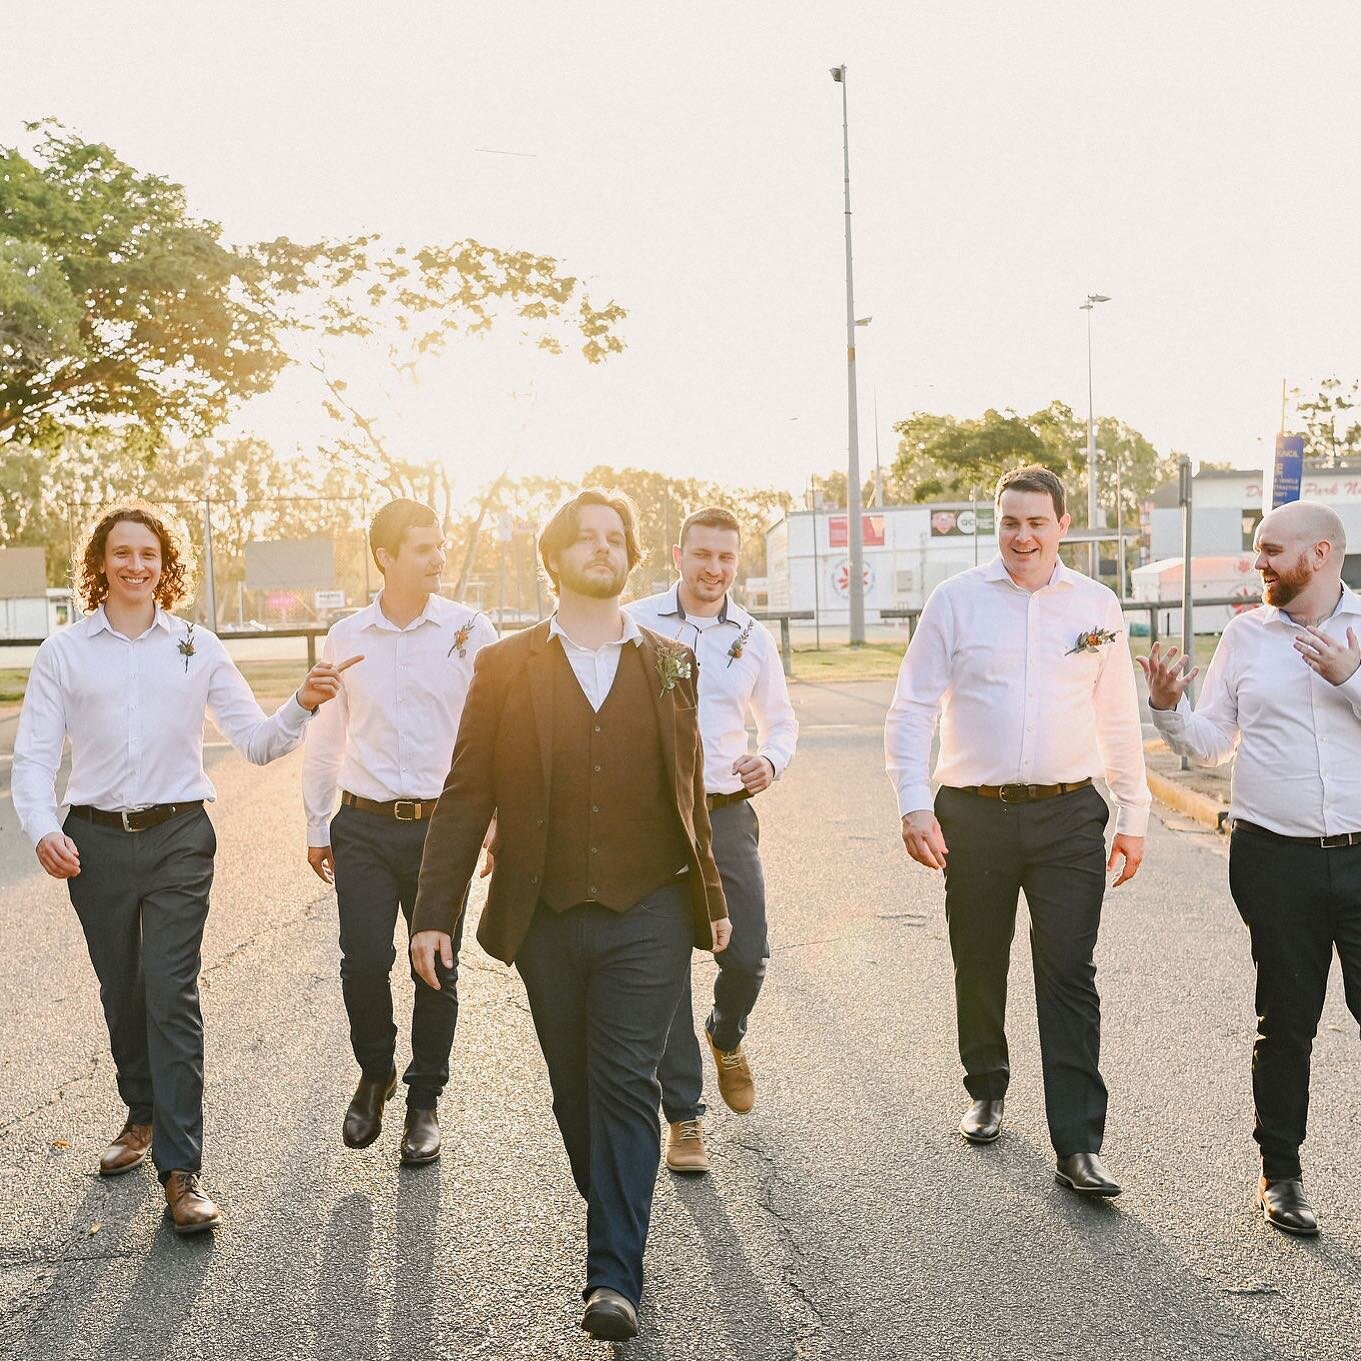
1196	161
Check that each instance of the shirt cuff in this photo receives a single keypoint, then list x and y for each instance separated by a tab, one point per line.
293	716
1170	720
1351	687
43	827
914	798
776	763
318	832
1131	819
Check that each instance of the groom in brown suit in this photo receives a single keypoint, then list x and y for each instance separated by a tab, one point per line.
580	736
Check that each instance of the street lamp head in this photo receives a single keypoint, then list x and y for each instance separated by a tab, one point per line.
1097	297
838	74
863	321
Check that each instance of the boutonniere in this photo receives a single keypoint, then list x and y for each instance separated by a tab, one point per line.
672	665
740	642
1089	640
462	635
186	645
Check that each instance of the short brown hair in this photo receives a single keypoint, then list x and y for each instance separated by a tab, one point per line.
1034	477
391	523
561	531
176	570
711	517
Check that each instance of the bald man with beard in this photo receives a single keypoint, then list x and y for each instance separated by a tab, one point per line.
1283	692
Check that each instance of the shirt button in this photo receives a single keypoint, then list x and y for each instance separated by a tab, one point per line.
596	769
595	808
533	878
594	890
538	822
595	850
597	727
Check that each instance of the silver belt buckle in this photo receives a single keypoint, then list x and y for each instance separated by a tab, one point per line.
413	804
132	813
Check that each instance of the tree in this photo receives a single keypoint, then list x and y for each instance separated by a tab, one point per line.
1332	428
118	308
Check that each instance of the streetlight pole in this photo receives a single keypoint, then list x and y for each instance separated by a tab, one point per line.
1093	548
856	528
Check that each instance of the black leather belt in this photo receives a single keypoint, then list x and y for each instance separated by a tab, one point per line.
135	819
723	800
1324	843
404	810
1022	793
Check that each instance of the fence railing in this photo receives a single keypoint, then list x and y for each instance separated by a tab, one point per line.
786	646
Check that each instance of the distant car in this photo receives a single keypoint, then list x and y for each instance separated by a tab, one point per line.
332	616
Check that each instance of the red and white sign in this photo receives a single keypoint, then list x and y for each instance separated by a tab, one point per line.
839	531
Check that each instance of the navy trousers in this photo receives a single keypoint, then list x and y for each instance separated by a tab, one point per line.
741	967
377	864
1054	850
602	989
142	901
1299	903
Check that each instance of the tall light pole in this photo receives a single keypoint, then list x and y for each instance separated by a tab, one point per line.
854	525
1093	548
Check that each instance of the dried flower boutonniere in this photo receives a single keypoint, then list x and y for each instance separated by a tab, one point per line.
461	636
1089	640
740	642
186	645
672	665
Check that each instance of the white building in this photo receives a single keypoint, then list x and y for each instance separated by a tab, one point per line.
909	550
1226	507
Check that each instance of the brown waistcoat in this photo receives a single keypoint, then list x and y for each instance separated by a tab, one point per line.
613	832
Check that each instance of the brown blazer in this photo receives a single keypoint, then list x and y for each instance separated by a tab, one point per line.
503	766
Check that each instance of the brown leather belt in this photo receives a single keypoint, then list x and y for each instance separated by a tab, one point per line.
1023	793
1325	843
404	810
135	819
723	800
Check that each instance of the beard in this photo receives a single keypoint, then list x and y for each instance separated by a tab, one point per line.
595	584
1287	584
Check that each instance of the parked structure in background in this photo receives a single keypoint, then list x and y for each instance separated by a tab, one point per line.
29	608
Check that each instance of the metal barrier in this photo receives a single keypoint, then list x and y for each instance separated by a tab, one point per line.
786	646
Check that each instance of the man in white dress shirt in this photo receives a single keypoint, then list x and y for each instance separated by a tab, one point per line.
1283	692
1025	664
129	685
740	677
385	746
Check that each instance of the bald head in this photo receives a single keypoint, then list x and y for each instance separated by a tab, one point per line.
1302	525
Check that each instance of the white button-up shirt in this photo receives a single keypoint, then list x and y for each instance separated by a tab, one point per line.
595	667
1017	704
1298	736
134	709
389	733
731	688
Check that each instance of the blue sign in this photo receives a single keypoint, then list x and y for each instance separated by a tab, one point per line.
1289	471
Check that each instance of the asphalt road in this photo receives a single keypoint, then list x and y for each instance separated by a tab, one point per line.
844	1218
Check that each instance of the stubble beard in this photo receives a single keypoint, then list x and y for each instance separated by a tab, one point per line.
593	585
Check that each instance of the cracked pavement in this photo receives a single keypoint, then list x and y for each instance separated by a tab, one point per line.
844	1218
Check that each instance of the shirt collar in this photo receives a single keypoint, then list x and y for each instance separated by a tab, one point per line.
996	570
99	622
1348	603
375	618
672	608
632	633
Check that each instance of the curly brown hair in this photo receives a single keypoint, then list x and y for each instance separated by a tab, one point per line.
93	585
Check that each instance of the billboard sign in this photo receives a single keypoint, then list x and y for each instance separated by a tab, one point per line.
947	524
1288	471
291	565
839	530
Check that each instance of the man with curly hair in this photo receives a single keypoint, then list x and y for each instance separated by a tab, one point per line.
129	686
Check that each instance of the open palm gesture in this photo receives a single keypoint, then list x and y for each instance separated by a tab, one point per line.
1167	676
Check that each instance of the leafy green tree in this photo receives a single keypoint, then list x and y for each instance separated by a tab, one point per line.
1331	421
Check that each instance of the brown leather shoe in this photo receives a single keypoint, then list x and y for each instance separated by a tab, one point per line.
1285	1206
364	1118
685	1150
982	1122
420	1137
128	1150
190	1208
735	1083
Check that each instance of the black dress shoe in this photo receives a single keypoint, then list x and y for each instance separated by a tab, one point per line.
1083	1172
1285	1206
364	1119
609	1317
420	1136
982	1122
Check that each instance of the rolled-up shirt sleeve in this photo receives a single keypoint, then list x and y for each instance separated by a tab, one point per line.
1119	735
259	738
37	748
923	680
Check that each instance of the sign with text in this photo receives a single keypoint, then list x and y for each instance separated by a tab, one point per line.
949	523
839	531
291	565
1288	473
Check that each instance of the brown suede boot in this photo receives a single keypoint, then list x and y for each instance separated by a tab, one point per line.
128	1150
190	1208
735	1083
685	1150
